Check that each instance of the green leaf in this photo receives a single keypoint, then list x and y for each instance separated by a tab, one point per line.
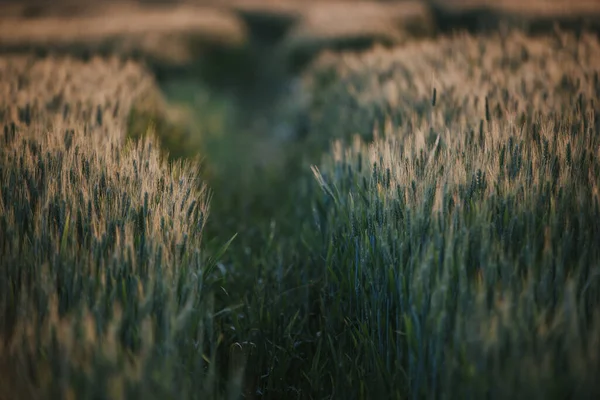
212	262
63	239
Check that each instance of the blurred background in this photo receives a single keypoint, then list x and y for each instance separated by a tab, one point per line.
230	70
228	66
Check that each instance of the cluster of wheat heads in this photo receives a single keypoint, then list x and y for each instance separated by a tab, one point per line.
461	242
103	286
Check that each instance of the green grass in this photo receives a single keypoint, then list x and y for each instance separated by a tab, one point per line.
443	247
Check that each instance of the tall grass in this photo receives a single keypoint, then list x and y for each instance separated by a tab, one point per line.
460	245
105	290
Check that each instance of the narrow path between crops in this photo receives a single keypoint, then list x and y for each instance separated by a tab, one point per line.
248	124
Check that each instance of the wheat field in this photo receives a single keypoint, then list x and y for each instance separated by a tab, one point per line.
411	218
